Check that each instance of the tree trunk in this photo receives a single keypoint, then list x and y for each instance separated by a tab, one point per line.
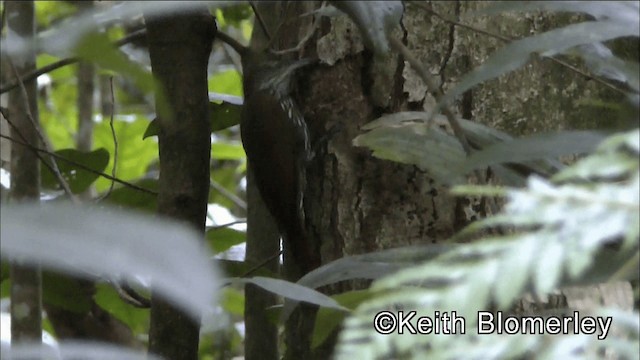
179	47
26	281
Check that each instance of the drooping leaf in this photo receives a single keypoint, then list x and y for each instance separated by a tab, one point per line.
291	291
221	239
428	147
536	147
78	178
91	242
224	115
327	320
108	298
516	54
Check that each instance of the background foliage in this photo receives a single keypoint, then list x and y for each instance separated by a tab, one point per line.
554	232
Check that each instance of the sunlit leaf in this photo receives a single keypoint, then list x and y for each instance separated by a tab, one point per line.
226	82
108	298
227	151
328	320
221	239
91	242
76	176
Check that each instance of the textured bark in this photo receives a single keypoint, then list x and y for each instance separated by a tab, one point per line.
26	282
263	241
356	203
179	47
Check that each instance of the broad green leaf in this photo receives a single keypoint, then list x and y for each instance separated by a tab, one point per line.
226	82
92	242
65	293
52	11
222	116
232	301
327	320
221	239
136	319
227	151
135	155
97	48
427	147
76	176
291	290
135	199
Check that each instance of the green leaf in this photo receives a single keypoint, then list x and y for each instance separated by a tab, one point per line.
227	151
135	199
232	301
222	239
226	82
77	178
224	115
58	290
430	148
97	48
327	320
135	155
92	242
108	298
152	129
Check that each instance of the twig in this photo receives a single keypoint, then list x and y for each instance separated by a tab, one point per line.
36	128
223	226
24	141
446	109
68	61
79	165
239	48
226	193
307	37
260	21
433	88
115	142
261	264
